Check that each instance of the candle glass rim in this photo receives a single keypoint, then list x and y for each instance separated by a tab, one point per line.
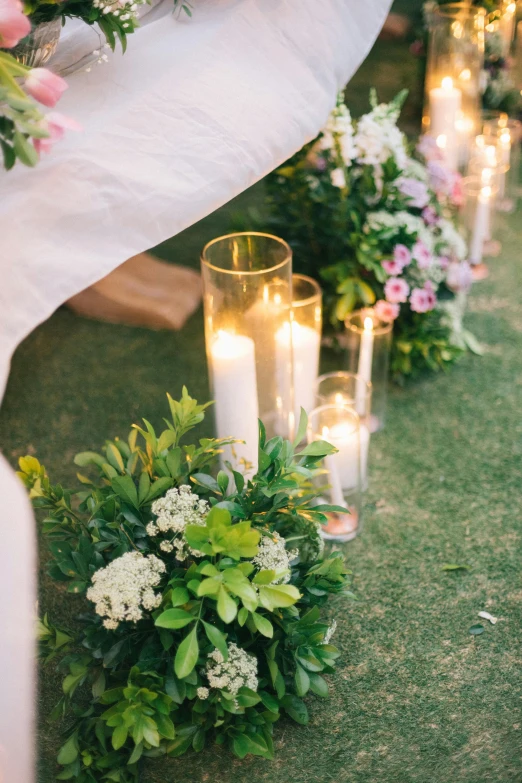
309	299
448	10
385	327
264	270
343	374
472	185
352	413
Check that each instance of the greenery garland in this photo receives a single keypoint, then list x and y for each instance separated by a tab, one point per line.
208	595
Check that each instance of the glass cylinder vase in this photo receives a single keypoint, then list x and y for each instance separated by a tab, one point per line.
307	317
369	340
38	47
508	133
340	481
453	70
478	209
247	299
347	388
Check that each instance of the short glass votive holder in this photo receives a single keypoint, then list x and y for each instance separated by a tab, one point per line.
477	215
346	388
340	481
247	299
307	319
368	340
508	133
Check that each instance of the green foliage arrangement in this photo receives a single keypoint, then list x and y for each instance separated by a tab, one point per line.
207	626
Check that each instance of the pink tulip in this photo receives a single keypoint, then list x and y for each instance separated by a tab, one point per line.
44	86
14	25
56	124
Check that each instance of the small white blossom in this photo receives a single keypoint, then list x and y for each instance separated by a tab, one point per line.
339	133
166	546
337	178
378	138
123	588
273	556
175	510
240	670
203	693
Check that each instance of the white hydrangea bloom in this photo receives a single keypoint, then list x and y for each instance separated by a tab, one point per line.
175	510
240	670
203	693
378	138
273	556
123	589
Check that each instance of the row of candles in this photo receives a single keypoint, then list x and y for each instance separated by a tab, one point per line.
263	337
483	146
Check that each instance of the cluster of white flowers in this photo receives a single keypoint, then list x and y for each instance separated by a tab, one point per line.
452	241
339	131
416	170
378	138
174	511
124	9
273	556
203	693
123	588
330	632
239	670
413	224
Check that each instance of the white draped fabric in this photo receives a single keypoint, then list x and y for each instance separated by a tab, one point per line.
196	111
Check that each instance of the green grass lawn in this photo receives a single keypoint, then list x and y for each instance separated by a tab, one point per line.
416	698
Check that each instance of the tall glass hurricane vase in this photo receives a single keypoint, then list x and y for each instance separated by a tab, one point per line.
247	296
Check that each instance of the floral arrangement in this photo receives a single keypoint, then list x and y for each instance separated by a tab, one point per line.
25	131
203	616
376	224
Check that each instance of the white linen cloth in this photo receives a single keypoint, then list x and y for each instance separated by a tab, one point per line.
196	111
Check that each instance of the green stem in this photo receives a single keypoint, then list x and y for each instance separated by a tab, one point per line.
7	78
13	65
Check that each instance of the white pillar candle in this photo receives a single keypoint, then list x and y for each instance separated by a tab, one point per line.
445	104
464	134
233	364
364	433
364	368
504	160
480	225
306	345
344	466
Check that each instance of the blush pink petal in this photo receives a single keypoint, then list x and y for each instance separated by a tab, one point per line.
44	86
386	311
14	25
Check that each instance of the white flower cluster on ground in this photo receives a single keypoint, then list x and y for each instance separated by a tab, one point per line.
273	556
240	670
124	588
174	511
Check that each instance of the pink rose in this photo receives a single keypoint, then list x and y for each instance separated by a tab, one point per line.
422	299
56	124
386	311
396	290
14	25
44	86
416	192
459	276
421	254
401	255
392	267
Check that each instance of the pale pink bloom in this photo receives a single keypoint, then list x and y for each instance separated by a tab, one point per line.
421	254
401	255
14	24
392	267
415	191
422	300
386	311
396	290
56	124
457	191
427	146
429	215
459	276
443	262
44	86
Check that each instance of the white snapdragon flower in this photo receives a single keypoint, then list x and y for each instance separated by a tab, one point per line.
175	510
273	556
339	130
123	589
378	138
337	178
240	670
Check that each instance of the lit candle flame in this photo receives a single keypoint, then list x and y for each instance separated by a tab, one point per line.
339	399
368	324
465	75
486	192
441	141
447	83
326	432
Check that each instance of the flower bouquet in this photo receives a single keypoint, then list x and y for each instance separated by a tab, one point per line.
376	224
203	616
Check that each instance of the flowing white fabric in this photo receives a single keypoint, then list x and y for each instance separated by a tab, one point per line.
195	112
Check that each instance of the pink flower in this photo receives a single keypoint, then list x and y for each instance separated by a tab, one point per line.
457	191
416	192
459	276
401	255
443	262
14	25
430	217
423	299
428	148
392	267
386	311
44	86
396	290
56	124
421	254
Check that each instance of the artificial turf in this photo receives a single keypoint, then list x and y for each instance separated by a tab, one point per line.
416	698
